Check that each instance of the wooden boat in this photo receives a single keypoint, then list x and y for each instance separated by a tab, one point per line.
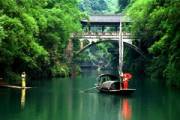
107	83
114	87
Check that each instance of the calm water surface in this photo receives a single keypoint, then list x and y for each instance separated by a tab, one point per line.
64	99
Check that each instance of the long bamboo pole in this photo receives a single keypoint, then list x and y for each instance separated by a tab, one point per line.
121	48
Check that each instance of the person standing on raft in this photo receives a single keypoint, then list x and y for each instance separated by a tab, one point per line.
23	76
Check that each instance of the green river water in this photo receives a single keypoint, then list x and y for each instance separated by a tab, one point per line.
64	99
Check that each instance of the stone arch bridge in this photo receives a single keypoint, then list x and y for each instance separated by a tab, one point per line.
104	28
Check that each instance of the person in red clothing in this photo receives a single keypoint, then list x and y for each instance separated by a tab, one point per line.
126	77
125	83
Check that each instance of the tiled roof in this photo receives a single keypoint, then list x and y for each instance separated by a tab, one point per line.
106	19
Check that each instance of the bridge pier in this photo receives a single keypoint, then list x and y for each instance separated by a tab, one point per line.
69	51
81	44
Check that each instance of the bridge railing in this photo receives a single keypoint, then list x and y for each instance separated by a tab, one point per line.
105	33
96	34
100	34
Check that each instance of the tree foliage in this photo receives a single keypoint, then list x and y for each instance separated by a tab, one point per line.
123	4
99	6
156	22
34	34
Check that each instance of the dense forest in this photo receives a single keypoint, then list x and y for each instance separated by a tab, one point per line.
103	6
99	6
123	4
156	23
34	35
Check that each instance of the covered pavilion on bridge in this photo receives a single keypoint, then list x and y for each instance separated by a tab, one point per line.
104	23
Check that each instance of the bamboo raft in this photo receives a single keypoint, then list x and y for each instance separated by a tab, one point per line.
13	86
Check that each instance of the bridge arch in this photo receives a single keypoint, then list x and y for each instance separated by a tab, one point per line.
110	40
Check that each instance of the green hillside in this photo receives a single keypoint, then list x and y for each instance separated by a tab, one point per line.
99	6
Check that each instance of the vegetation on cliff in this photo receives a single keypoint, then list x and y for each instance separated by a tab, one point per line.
156	23
34	35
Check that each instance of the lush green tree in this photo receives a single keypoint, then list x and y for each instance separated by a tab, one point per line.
156	24
34	34
19	48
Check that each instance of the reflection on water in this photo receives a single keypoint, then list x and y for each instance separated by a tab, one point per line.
126	109
23	97
62	99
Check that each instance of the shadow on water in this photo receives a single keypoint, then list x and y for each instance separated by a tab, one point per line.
61	98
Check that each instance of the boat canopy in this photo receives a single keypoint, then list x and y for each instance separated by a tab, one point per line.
106	77
111	85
